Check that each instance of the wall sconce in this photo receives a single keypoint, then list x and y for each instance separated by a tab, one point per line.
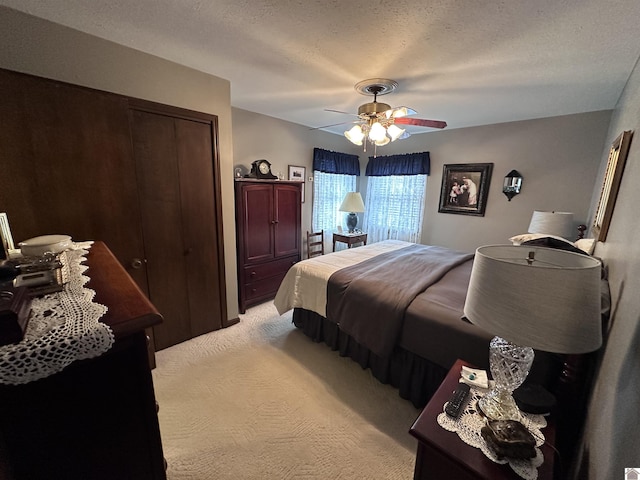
512	184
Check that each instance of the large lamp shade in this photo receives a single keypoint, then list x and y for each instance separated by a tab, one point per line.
540	297
559	224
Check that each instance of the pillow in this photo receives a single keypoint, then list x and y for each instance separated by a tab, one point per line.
525	237
586	244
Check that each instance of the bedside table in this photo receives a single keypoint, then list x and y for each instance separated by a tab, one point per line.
442	455
349	239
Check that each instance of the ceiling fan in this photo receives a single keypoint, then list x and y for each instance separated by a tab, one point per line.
378	122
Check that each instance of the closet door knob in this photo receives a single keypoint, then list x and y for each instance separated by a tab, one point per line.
136	263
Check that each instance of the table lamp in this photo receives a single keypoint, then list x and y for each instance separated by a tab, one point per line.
531	297
559	224
353	204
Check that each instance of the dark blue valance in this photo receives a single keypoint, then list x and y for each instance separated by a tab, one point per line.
405	164
335	162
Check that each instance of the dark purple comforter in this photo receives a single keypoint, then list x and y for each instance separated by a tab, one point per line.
369	300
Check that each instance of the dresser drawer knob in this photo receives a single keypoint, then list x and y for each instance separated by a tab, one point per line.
252	274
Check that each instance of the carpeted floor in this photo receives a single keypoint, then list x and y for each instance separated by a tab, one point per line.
259	400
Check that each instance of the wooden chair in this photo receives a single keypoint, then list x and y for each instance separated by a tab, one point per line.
315	243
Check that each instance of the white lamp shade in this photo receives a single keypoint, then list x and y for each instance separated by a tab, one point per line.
551	305
552	223
352	203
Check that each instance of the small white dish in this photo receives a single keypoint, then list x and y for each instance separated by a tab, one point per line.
38	246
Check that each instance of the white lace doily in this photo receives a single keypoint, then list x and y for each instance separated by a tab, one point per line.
63	327
470	422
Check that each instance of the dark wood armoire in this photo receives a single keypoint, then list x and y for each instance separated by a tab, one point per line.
268	226
142	177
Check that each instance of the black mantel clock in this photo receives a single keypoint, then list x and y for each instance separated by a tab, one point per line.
261	169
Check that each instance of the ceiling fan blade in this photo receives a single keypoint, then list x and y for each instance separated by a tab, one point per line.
338	111
420	122
333	125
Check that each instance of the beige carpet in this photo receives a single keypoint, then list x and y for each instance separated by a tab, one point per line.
261	400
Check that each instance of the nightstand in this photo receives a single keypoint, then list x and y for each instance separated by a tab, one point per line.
349	239
442	455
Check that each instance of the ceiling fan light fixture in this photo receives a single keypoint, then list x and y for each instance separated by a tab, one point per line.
395	132
355	135
384	141
377	132
400	112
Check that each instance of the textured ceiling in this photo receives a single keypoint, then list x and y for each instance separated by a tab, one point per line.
468	62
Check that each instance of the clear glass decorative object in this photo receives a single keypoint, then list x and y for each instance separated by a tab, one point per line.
510	365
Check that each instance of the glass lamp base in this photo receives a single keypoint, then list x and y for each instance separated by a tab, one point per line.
510	365
352	221
499	405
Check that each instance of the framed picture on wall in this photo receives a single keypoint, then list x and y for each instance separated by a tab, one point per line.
611	185
465	188
297	174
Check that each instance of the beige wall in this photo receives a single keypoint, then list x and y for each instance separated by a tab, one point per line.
612	432
42	48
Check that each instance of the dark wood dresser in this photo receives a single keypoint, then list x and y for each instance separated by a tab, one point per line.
269	234
97	418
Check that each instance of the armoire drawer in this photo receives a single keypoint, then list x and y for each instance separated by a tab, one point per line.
262	271
265	287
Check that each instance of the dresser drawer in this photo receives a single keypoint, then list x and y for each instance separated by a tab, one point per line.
262	271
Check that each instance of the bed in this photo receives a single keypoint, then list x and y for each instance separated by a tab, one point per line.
335	300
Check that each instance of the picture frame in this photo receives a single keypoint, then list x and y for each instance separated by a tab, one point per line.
297	174
465	188
610	185
5	237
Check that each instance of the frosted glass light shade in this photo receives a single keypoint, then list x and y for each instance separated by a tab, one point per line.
377	132
355	135
552	223
394	132
538	297
399	112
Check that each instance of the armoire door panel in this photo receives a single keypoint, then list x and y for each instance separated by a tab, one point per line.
154	144
287	232
195	165
258	222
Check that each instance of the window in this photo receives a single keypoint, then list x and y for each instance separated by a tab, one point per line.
334	175
394	207
329	190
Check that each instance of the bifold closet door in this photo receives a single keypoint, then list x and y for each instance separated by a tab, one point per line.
174	170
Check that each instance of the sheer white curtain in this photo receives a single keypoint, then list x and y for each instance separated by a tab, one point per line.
394	207
329	189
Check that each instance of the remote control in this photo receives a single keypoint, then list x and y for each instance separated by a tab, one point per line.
454	405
